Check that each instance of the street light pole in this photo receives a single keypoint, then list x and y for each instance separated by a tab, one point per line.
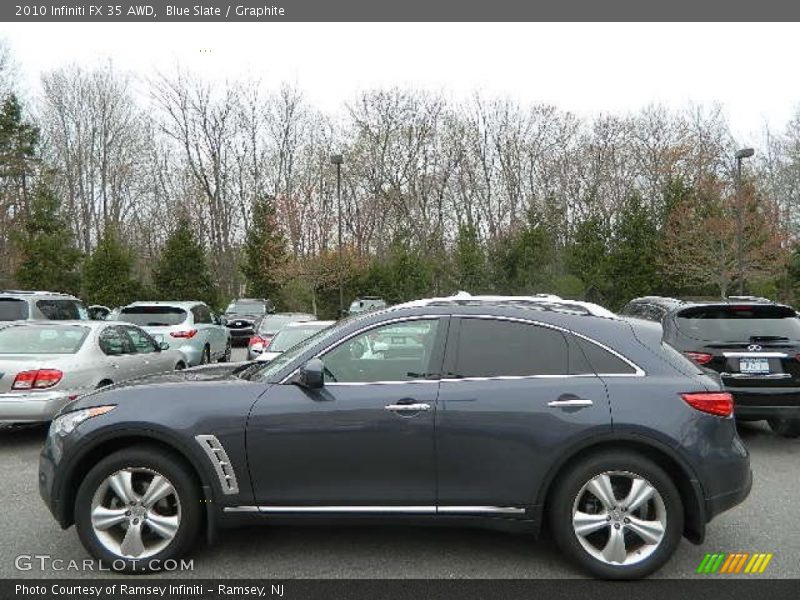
740	156
338	159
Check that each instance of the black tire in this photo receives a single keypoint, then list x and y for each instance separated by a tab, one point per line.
156	460
226	357
565	497
180	366
104	383
788	428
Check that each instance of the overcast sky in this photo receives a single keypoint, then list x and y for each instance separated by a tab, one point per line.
751	69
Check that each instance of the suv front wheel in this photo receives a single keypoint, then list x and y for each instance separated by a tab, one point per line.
137	508
618	515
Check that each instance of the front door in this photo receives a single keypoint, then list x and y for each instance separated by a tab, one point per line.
365	441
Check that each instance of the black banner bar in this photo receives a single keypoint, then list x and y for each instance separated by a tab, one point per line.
714	588
397	10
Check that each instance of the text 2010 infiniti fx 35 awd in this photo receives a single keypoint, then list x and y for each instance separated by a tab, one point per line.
471	410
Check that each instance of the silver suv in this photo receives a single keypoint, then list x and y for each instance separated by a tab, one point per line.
19	305
186	326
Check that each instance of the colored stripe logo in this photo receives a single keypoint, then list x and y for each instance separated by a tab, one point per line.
733	563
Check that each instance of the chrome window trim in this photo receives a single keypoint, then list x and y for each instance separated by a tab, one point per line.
360	331
755	355
379	509
638	371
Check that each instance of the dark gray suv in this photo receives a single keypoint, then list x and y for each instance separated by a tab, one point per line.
503	412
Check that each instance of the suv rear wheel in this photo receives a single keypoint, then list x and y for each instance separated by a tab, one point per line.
788	428
137	508
618	515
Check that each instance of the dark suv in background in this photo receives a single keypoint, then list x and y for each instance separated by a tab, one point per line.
500	412
243	316
753	345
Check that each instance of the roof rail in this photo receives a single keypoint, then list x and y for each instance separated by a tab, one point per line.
537	301
33	292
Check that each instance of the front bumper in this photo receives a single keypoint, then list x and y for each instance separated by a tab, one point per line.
33	407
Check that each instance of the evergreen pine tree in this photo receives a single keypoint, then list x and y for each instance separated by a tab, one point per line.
264	251
49	258
470	262
108	273
182	272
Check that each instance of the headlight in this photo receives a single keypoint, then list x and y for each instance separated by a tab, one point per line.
66	423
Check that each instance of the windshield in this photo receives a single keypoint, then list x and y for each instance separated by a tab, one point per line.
42	340
12	309
274	323
286	338
153	316
271	368
739	323
246	308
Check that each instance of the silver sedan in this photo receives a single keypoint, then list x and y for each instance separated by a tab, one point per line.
45	365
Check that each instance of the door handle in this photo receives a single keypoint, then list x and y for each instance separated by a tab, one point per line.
115	365
408	407
570	403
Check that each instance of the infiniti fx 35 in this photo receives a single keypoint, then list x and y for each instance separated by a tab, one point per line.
511	412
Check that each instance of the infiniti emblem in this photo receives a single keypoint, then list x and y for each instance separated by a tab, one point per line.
754	348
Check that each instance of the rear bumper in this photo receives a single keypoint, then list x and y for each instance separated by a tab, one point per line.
722	502
766	402
33	407
241	333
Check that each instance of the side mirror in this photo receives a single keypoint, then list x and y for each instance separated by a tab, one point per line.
311	375
163	346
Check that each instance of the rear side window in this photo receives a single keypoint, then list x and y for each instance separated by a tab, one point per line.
153	316
12	309
496	348
62	310
604	362
739	323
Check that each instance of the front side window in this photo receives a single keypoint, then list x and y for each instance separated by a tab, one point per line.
202	315
113	342
497	348
396	352
142	343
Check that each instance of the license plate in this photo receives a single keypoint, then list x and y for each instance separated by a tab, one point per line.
754	366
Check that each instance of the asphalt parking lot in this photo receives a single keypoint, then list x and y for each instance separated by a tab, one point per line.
766	522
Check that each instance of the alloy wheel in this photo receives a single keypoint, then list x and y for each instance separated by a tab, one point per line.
135	513
619	518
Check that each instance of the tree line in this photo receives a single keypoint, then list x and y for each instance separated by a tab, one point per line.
118	188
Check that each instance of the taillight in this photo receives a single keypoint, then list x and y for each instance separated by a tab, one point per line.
259	342
713	403
37	380
189	333
701	358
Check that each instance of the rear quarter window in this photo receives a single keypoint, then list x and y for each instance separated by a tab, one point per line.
604	362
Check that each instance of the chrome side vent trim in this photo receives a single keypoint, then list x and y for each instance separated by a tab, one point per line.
222	464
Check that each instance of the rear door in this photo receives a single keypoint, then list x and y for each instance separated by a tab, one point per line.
514	397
